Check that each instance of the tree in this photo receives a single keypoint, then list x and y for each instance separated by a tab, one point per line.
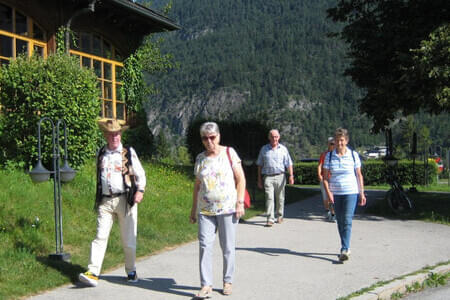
382	36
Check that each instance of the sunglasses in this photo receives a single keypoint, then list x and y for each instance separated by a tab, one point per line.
211	138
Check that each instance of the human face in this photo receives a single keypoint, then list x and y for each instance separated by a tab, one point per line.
274	138
341	143
211	141
113	139
331	146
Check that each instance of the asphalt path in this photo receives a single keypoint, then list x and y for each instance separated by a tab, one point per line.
294	260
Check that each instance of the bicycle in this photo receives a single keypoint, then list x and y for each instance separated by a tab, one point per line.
396	197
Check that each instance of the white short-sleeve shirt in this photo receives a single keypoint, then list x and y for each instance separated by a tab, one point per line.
217	194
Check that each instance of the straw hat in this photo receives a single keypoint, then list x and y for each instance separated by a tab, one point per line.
111	126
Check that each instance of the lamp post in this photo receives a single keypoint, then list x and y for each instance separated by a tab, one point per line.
414	154
60	173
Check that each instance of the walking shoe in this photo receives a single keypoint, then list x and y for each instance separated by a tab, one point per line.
227	289
280	220
132	277
345	254
269	224
333	218
88	278
204	293
328	215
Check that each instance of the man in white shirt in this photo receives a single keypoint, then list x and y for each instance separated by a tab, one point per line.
273	161
115	164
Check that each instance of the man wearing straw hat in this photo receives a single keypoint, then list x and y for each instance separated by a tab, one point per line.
115	164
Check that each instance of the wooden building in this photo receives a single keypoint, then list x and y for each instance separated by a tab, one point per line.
107	31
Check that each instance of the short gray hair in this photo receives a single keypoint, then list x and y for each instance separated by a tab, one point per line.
209	127
273	130
341	132
330	139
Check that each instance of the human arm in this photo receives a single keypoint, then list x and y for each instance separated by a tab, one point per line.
291	174
360	179
193	216
260	185
239	177
319	171
139	174
326	185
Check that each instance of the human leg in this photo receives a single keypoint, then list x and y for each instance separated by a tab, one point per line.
227	236
269	195
98	245
345	206
279	194
206	234
128	231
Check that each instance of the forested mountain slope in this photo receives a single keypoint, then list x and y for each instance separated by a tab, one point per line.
264	59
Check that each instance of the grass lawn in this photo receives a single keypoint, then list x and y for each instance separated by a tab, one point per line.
432	203
27	233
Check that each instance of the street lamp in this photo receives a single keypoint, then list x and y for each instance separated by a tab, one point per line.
65	173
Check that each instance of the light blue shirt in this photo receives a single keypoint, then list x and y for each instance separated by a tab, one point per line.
273	161
343	179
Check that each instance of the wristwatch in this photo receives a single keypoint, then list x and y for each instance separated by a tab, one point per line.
141	190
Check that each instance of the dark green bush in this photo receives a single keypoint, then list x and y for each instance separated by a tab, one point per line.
57	88
374	172
246	137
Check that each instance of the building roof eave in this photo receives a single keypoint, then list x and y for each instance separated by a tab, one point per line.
148	13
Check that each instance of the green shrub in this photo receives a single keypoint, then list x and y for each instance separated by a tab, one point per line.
246	137
57	88
374	172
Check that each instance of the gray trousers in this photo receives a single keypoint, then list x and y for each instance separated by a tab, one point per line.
274	191
207	228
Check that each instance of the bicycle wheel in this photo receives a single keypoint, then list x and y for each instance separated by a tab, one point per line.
399	202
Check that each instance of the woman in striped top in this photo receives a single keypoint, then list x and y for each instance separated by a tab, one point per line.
343	183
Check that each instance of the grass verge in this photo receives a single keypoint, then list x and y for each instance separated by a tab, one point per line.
428	206
433	280
27	225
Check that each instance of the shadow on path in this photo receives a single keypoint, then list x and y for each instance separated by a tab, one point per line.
67	269
280	251
163	285
312	209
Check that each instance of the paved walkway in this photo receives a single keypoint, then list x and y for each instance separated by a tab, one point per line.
295	260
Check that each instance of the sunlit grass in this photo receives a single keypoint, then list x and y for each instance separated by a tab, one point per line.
27	224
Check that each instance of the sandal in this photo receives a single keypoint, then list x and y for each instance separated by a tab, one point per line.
227	289
204	293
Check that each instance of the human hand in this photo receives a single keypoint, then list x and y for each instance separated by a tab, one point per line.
291	179
193	216
260	186
331	199
240	210
362	199
138	196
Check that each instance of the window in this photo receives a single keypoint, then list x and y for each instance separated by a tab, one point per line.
109	83
19	34
93	44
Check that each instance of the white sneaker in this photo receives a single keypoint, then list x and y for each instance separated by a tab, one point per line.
345	254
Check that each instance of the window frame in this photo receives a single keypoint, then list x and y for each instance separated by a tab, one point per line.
115	83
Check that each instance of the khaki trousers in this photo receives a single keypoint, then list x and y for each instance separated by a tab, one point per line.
274	191
108	209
